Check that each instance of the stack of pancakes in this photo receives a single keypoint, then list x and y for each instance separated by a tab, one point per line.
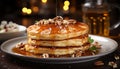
57	36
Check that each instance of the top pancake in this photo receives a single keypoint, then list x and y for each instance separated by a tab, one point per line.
57	29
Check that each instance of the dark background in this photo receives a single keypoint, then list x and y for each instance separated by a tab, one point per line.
11	10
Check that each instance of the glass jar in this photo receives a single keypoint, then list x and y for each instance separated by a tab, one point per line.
96	15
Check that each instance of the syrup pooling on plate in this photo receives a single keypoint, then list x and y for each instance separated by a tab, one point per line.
19	48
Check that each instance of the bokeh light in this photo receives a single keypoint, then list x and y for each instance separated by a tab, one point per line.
44	1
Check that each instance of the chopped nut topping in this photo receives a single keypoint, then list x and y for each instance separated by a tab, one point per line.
113	64
73	55
93	53
58	18
45	55
78	54
99	63
57	21
117	57
20	45
22	48
98	46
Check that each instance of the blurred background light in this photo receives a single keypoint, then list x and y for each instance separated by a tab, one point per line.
65	8
24	9
67	3
44	1
35	9
29	11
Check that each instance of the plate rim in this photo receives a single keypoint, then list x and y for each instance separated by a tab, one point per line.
59	59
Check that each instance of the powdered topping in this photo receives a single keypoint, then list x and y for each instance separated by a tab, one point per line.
57	21
8	27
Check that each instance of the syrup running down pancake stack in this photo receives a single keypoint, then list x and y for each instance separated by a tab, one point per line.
58	37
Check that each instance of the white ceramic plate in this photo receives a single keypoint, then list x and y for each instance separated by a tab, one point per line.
108	46
9	35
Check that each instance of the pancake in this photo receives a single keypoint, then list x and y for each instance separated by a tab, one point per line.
56	31
56	50
57	36
59	43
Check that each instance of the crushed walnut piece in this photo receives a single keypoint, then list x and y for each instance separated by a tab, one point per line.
112	64
57	21
116	57
78	54
20	46
45	55
73	55
99	63
97	45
